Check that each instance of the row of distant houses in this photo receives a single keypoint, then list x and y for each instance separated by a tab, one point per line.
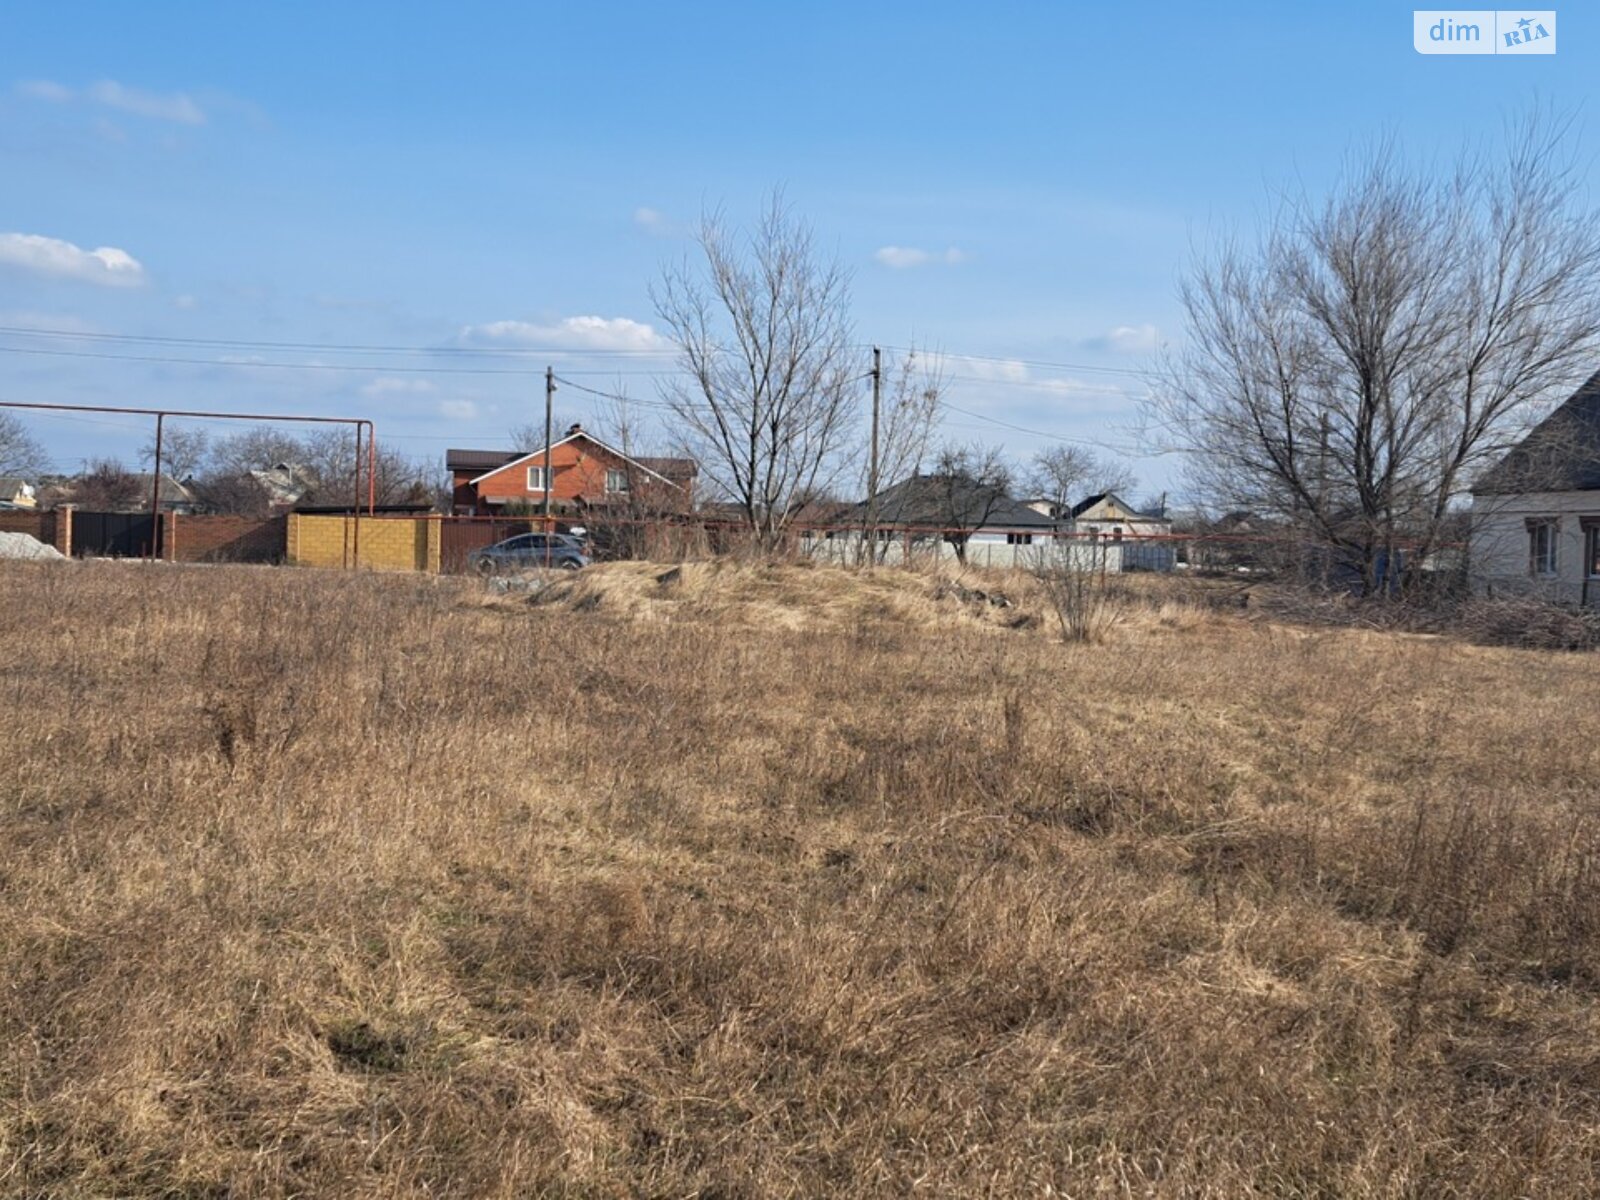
1535	525
585	474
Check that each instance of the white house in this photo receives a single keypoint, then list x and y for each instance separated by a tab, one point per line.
17	493
954	516
1536	514
1143	534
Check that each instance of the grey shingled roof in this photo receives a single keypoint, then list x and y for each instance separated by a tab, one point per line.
937	501
479	460
1562	454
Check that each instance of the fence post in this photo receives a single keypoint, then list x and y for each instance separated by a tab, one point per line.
435	564
63	530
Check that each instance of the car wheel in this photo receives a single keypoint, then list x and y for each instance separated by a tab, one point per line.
483	566
569	564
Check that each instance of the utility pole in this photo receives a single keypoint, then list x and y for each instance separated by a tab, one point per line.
872	459
549	474
155	495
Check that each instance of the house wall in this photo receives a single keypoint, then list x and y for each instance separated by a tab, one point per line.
579	474
1499	558
983	550
1137	555
397	544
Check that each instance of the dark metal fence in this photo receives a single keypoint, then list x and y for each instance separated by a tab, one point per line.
111	534
460	536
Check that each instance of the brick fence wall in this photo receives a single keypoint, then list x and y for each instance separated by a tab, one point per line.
386	543
223	539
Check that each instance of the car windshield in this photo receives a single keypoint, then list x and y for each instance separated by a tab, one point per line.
536	541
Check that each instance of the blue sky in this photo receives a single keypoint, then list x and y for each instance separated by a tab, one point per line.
1017	184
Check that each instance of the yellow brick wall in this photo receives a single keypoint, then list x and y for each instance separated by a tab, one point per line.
386	543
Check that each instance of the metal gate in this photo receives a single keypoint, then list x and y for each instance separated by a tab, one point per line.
111	535
460	536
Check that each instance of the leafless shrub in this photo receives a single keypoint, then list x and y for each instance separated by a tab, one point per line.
1072	577
1530	623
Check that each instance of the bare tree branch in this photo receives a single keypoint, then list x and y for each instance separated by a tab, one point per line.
764	330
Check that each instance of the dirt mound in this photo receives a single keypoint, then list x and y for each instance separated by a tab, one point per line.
25	545
789	596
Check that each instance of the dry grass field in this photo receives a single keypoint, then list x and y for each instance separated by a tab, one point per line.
780	882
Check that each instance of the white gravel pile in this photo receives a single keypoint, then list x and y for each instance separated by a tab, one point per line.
25	545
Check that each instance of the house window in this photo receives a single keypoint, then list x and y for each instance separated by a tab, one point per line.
1019	539
1542	547
536	479
617	481
1591	546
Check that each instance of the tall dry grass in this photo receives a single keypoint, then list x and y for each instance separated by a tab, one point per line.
754	882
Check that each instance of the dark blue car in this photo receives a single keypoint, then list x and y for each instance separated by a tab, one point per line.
530	550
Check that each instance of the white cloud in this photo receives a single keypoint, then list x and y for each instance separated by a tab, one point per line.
988	370
172	106
104	265
657	223
1127	339
390	386
901	258
572	333
458	410
44	89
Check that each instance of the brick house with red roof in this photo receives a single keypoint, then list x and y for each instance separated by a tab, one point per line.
586	474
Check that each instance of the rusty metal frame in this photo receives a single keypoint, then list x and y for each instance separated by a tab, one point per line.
353	529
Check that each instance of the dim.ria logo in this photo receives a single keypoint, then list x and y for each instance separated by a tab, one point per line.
1484	31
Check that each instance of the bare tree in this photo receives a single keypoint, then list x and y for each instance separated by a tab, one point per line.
331	457
107	486
254	449
1059	473
909	414
969	483
20	452
1354	371
529	435
184	451
326	461
643	520
763	325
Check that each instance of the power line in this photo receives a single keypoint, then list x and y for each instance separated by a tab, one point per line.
518	352
943	403
655	404
938	355
1049	385
369	368
336	347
